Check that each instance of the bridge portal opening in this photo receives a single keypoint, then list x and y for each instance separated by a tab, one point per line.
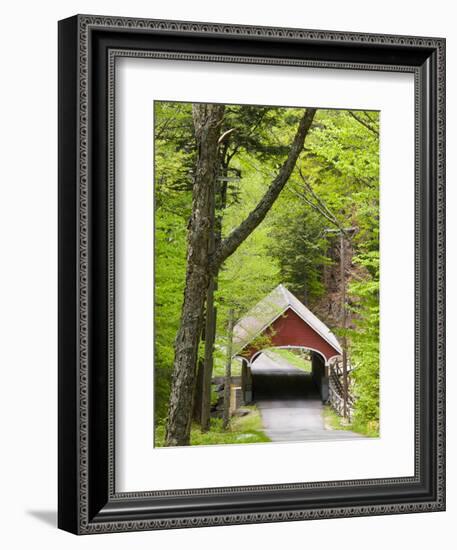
285	373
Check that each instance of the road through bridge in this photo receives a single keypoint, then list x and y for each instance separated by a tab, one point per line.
289	402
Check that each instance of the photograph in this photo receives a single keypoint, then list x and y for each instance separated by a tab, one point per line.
266	274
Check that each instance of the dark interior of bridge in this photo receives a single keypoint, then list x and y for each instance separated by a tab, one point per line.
284	386
285	382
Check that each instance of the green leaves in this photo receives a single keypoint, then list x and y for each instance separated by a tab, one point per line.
364	341
170	266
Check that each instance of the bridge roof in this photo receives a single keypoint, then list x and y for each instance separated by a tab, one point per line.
265	312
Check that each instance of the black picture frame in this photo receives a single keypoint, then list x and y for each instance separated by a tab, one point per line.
88	502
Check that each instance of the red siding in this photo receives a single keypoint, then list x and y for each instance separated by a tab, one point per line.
291	330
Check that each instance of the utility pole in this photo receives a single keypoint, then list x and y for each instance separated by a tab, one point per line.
343	323
343	232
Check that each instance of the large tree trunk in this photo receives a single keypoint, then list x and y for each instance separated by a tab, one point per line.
207	122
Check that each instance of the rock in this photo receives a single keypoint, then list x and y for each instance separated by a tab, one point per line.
241	412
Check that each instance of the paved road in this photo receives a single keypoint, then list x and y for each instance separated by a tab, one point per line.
289	403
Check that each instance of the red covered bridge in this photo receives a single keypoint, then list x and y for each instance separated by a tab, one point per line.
281	320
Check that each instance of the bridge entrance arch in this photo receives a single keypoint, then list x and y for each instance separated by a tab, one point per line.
280	320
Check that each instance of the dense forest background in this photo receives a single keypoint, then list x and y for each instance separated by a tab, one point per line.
335	185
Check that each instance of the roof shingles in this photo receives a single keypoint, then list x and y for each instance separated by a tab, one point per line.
265	312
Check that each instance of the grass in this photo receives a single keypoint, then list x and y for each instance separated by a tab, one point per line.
293	358
335	422
289	355
243	429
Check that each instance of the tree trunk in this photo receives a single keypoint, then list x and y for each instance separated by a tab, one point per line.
218	205
210	336
207	120
197	399
228	371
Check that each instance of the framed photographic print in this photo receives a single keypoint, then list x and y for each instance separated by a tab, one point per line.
251	274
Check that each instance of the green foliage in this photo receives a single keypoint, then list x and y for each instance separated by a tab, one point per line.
170	265
299	246
244	429
334	422
364	350
174	157
343	169
295	358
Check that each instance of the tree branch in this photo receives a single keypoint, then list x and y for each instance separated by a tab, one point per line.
364	124
228	246
318	200
314	206
224	135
